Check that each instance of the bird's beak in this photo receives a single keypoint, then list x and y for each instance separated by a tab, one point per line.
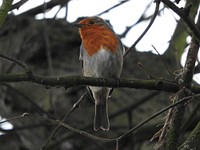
79	25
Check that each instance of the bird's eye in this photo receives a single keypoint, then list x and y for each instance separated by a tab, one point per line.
91	22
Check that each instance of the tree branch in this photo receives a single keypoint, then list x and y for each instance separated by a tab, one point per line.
178	112
147	28
18	62
181	101
107	10
18	4
76	80
39	9
73	108
184	16
88	135
5	7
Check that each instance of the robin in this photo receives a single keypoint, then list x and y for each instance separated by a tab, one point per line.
101	54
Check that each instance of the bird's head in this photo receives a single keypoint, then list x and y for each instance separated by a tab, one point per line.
92	23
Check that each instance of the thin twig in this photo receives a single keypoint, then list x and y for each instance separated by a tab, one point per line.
75	106
122	2
148	27
18	4
183	100
18	62
183	16
139	64
141	18
88	135
112	116
59	9
168	70
149	75
25	97
80	132
14	118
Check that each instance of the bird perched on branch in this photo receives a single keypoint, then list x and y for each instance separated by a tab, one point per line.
101	53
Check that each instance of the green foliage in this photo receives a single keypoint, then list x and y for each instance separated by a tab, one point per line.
5	7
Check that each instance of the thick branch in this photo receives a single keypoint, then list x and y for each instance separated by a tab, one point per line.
183	16
188	70
40	9
75	80
18	4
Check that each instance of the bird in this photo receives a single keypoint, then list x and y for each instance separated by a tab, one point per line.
101	55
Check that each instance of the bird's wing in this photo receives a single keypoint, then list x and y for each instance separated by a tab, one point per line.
90	93
81	52
81	60
81	56
123	50
121	46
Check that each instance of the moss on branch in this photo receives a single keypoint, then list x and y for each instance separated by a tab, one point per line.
75	80
5	7
192	141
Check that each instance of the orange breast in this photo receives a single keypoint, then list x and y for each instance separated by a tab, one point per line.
95	38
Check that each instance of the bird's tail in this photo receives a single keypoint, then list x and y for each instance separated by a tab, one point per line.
101	120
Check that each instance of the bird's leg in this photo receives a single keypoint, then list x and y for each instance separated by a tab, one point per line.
118	83
117	79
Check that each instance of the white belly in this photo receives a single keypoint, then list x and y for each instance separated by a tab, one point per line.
103	64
